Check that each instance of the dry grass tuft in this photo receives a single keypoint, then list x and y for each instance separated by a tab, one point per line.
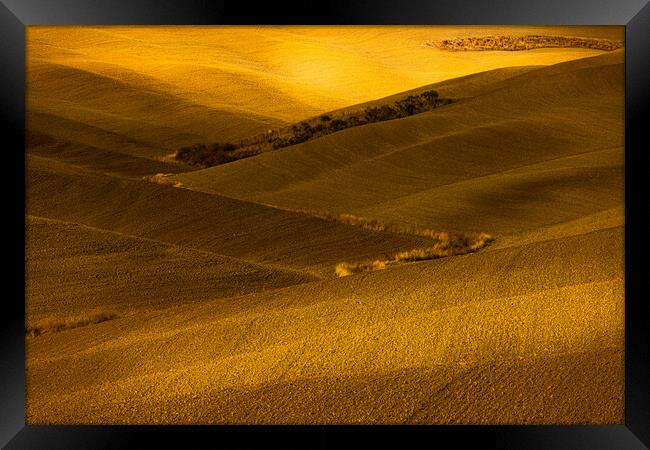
53	324
367	224
374	225
447	245
162	178
459	246
444	243
345	269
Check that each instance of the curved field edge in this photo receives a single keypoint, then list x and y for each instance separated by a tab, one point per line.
74	271
315	334
222	225
356	169
528	331
445	246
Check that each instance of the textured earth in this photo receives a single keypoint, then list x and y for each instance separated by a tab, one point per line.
225	304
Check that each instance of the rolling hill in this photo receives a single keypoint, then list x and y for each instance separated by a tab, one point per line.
492	150
82	267
227	309
170	86
544	321
212	223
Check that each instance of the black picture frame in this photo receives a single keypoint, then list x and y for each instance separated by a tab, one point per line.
15	15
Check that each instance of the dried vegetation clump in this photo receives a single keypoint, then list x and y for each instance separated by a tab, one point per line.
446	244
345	269
163	178
55	324
527	42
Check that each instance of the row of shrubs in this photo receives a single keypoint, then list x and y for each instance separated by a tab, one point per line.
413	104
207	155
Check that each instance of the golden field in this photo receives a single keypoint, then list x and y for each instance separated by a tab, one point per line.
160	292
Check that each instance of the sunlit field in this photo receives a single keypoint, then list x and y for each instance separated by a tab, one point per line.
325	225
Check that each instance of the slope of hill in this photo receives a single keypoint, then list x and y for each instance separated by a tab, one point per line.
517	200
171	86
145	114
313	66
543	323
72	269
202	221
102	159
227	306
400	169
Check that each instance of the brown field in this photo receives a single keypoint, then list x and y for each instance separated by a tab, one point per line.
464	264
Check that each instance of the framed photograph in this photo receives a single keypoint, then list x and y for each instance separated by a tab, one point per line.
394	222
